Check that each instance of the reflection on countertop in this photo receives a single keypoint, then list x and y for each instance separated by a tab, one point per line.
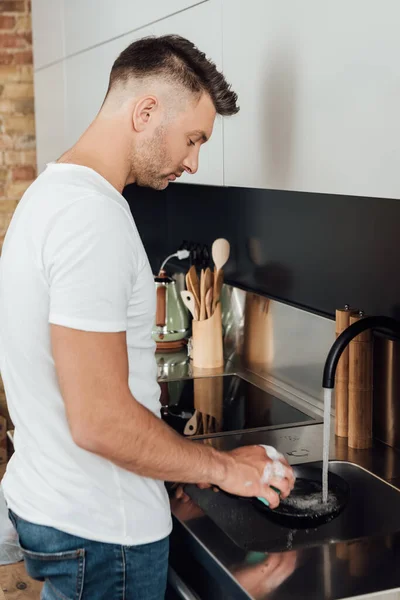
221	405
177	365
330	570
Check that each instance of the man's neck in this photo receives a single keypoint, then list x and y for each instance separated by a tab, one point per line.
100	149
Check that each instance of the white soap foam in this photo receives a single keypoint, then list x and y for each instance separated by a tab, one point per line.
267	474
278	469
272	452
272	469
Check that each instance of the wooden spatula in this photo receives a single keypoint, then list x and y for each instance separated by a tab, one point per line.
193	285
203	291
190	303
209	277
220	253
209	302
192	425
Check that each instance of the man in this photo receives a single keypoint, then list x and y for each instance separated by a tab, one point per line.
77	303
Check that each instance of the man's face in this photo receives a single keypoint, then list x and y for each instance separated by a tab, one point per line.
174	147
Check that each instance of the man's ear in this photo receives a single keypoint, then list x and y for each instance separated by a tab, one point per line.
143	112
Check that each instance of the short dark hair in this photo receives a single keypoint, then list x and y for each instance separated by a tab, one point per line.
177	59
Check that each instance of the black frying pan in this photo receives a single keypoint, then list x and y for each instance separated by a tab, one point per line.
304	508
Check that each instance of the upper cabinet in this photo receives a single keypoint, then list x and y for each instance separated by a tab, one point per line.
87	78
318	84
319	90
92	22
48	32
49	113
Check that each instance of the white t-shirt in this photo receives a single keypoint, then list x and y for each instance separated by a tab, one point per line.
73	256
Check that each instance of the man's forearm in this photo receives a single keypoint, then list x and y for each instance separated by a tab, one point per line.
135	439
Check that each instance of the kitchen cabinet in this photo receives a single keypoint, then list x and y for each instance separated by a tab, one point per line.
48	32
87	79
49	113
318	87
92	22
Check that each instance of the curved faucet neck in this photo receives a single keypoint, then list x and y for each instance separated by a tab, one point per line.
377	322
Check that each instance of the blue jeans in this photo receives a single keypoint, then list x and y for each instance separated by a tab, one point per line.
74	568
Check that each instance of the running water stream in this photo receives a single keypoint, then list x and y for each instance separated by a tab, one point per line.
326	442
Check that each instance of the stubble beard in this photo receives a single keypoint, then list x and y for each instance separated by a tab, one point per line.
149	162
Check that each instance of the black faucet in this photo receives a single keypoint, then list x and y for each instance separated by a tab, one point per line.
334	354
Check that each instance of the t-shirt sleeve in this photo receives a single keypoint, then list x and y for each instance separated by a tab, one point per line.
91	265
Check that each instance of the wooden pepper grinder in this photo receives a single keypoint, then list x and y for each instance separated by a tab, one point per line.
360	388
342	377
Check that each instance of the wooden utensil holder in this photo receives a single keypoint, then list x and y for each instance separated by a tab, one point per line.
207	341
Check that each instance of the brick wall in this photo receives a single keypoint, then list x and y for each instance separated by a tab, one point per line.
17	126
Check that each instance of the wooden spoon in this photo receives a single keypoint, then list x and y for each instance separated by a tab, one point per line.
220	253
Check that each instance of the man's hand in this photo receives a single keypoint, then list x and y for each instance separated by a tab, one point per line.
262	579
245	475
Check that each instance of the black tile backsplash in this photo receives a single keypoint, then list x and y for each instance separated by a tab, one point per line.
317	251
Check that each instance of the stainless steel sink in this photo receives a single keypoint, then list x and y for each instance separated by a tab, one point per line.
373	510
